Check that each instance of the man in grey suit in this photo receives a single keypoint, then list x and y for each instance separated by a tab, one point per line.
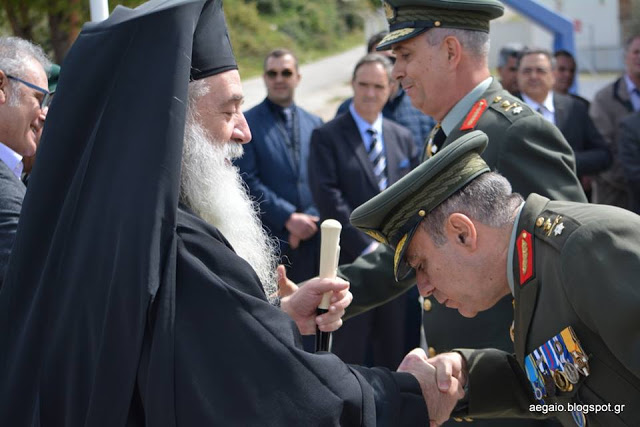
352	158
24	102
612	104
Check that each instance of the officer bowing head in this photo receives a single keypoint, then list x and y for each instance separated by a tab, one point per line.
450	221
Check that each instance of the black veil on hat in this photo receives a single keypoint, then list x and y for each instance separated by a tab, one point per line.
94	256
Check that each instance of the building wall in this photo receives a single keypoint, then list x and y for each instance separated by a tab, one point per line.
597	32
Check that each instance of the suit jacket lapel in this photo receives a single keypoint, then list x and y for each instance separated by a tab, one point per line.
392	156
278	136
353	138
526	294
561	113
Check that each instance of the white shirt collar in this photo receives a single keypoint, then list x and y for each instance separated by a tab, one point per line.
630	85
11	159
546	108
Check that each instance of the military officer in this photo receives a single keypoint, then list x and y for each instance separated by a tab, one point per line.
441	49
571	269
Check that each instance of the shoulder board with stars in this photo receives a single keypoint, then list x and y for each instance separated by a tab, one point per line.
554	228
474	115
510	107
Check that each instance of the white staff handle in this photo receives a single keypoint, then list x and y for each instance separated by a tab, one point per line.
329	253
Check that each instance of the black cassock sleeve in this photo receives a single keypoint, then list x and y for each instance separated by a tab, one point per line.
238	360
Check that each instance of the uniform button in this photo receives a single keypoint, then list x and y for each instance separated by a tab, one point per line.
426	305
432	352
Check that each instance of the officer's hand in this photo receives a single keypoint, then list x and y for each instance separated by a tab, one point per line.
448	366
440	402
301	305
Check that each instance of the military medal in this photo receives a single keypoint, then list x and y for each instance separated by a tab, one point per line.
535	379
579	418
556	366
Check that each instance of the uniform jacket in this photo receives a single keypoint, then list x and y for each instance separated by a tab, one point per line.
533	155
629	157
270	171
341	174
610	105
584	276
11	194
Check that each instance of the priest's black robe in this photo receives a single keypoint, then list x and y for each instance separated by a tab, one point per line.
118	307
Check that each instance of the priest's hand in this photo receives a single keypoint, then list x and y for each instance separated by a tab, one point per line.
440	401
302	302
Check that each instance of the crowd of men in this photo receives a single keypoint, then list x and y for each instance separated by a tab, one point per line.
139	277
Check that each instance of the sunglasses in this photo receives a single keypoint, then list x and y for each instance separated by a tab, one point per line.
47	96
286	73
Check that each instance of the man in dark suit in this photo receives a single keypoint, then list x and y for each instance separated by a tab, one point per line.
536	80
398	108
610	105
274	166
564	74
353	158
24	102
508	66
629	156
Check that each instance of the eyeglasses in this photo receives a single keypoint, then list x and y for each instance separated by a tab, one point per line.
286	73
46	99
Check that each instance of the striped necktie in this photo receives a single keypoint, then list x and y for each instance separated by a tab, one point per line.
378	159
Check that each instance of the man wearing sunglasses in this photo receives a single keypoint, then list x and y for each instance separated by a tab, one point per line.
274	166
23	108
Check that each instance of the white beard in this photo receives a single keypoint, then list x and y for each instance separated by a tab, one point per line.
213	188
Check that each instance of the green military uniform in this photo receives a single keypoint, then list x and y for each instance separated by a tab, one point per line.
533	155
584	274
572	269
525	148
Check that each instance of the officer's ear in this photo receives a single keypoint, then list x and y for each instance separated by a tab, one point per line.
461	231
4	86
453	50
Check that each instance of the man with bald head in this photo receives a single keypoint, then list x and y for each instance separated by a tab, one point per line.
24	101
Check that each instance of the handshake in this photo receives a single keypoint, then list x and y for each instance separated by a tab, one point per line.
442	379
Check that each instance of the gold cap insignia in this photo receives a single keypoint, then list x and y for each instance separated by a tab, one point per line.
390	12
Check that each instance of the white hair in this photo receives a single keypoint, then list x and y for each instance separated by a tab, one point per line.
474	42
213	188
16	55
